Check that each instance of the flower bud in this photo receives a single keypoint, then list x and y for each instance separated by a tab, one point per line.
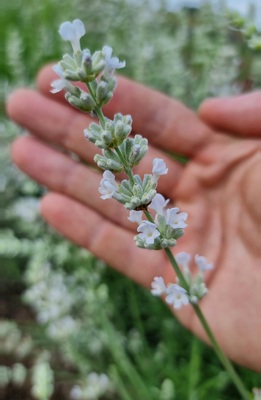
98	62
107	138
137	190
67	62
85	103
108	164
167	243
134	156
112	83
101	91
87	62
148	196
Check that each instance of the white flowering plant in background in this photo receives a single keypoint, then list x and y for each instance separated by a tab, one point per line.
159	227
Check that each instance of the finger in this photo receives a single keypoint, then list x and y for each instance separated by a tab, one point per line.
107	241
59	173
167	123
239	115
54	123
51	121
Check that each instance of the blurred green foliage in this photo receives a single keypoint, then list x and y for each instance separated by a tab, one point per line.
107	323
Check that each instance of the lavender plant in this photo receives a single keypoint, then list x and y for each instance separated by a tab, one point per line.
159	227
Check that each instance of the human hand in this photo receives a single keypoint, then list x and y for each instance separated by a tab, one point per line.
218	188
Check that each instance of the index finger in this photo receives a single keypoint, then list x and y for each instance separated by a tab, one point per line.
166	122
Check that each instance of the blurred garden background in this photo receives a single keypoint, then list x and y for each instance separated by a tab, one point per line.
71	328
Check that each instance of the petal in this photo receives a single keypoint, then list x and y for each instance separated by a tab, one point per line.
57	86
79	28
107	51
66	30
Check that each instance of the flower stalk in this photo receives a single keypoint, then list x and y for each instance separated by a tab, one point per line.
163	226
219	352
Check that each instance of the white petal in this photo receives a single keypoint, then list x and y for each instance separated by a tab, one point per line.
158	203
57	85
135	216
79	28
176	296
66	30
148	232
109	176
183	258
158	286
72	31
159	167
58	70
69	30
107	51
202	263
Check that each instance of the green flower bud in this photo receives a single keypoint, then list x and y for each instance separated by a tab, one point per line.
67	62
148	196
134	203
108	164
167	243
86	62
106	138
134	156
101	92
137	190
98	62
71	75
142	244
126	187
85	103
112	83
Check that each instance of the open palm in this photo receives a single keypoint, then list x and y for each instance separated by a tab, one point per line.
219	187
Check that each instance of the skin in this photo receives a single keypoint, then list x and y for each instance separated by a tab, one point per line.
219	188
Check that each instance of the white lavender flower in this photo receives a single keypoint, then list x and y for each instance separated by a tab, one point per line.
171	217
108	185
175	219
148	232
183	260
159	167
72	31
58	84
202	263
136	216
158	286
111	63
176	296
197	286
63	84
158	203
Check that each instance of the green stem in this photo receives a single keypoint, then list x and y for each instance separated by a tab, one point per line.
222	357
149	217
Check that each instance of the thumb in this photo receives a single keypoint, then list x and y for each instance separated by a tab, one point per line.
239	115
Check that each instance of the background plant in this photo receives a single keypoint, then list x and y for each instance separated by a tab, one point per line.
146	355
